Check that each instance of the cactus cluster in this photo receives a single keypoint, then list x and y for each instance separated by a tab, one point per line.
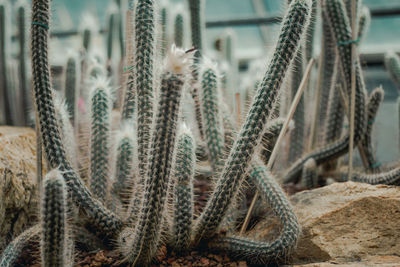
123	154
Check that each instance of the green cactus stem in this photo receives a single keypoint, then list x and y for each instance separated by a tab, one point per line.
147	234
261	252
100	137
196	8
364	23
179	28
390	177
211	114
309	176
125	152
23	60
56	245
270	137
14	249
145	43
251	132
98	216
374	102
183	197
297	134
4	78
71	89
392	65
336	14
129	95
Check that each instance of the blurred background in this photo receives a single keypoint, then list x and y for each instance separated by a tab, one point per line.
254	40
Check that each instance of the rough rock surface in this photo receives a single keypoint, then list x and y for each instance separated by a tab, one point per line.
18	195
348	223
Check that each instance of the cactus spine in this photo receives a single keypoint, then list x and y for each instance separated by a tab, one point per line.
212	119
183	200
99	217
100	132
260	251
148	227
270	137
55	243
250	135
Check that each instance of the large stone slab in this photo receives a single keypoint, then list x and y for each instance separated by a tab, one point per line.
18	187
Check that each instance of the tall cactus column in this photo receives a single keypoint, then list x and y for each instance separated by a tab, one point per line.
147	234
196	8
251	132
99	217
6	97
145	38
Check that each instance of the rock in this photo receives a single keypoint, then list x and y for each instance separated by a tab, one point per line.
18	187
343	223
368	261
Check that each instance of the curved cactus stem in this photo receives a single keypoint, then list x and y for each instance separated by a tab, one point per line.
261	252
391	177
56	245
147	234
374	102
183	197
340	26
14	249
250	135
99	217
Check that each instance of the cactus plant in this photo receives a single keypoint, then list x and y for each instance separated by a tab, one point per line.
340	25
261	251
100	135
183	199
392	64
374	102
211	114
309	176
4	53
179	27
98	215
251	132
146	237
56	246
22	11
